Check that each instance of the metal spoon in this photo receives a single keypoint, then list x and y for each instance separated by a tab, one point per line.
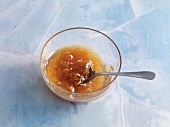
140	74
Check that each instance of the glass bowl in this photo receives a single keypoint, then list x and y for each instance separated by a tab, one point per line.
93	39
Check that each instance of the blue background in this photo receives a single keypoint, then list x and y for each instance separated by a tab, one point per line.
141	29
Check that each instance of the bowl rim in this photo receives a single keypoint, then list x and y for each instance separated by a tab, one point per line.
80	28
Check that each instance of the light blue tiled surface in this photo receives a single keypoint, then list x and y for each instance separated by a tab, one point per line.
139	27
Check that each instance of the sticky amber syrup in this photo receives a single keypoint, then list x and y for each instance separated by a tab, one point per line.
68	65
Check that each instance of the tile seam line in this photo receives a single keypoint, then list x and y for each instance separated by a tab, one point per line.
121	105
49	27
129	21
143	104
19	26
9	53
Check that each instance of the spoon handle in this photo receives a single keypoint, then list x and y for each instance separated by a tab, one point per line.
140	74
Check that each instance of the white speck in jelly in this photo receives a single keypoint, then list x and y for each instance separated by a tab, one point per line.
72	89
71	97
71	56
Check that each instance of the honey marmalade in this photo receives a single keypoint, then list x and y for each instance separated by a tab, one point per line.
69	66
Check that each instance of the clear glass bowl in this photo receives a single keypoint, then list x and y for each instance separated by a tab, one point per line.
90	38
